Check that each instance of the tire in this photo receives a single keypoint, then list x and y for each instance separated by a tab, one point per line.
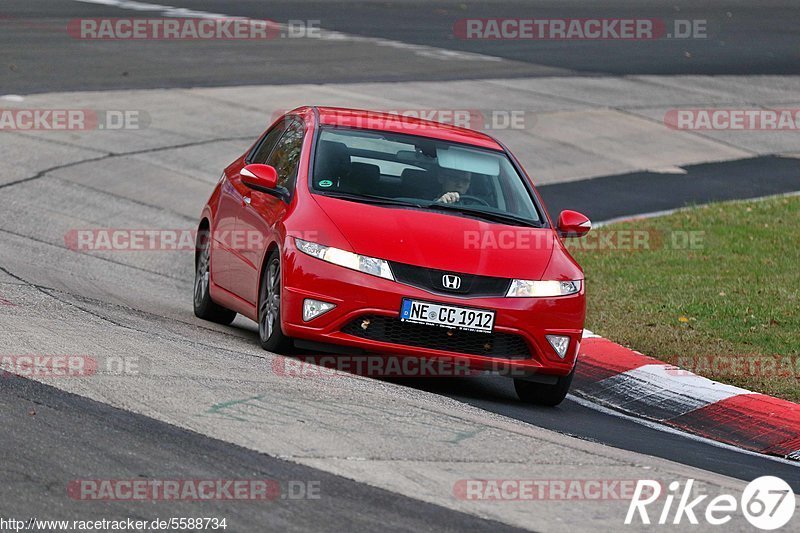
204	307
270	334
541	394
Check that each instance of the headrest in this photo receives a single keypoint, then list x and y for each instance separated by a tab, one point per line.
332	161
419	183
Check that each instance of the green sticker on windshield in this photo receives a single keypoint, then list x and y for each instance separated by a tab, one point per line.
325	183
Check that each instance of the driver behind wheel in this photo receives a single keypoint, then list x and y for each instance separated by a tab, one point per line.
454	183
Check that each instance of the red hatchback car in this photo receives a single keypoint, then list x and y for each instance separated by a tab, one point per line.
360	232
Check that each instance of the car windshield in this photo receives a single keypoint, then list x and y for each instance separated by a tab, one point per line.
391	168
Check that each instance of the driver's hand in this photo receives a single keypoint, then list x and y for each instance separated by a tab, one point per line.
449	198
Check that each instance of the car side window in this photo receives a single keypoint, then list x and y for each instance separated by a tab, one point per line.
286	155
261	153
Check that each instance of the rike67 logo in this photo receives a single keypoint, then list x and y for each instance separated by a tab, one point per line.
767	502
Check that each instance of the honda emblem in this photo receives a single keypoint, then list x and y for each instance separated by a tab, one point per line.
451	282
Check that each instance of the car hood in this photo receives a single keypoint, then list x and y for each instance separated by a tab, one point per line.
441	241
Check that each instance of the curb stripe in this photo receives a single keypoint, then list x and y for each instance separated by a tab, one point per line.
601	359
753	421
633	383
651	391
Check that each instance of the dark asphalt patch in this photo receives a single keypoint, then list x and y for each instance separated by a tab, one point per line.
51	437
625	195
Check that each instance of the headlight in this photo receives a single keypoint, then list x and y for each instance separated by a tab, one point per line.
362	263
542	289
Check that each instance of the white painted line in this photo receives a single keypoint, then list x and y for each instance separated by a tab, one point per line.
589	335
667	170
667	429
325	35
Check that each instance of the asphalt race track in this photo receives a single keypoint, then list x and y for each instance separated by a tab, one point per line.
205	402
746	39
347	506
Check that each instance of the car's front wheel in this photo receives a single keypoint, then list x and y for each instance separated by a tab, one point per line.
541	394
270	333
204	307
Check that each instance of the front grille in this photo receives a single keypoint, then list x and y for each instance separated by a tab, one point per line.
430	279
387	329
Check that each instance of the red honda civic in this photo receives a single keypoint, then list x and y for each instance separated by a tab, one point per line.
357	232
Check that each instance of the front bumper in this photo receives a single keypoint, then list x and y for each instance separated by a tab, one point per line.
359	297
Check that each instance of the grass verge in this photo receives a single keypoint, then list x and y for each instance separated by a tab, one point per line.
714	289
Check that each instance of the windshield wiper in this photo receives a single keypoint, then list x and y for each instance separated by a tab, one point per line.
369	199
504	218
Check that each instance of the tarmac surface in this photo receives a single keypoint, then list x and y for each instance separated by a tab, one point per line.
202	400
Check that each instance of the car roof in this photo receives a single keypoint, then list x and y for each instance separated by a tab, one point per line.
396	123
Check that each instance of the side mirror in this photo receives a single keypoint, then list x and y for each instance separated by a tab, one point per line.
573	224
260	177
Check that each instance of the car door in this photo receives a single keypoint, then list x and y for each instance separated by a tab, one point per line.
235	192
261	211
223	260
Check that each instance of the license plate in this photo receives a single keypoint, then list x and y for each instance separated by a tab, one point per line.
449	316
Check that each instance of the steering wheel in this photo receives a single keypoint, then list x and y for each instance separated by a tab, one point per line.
471	200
